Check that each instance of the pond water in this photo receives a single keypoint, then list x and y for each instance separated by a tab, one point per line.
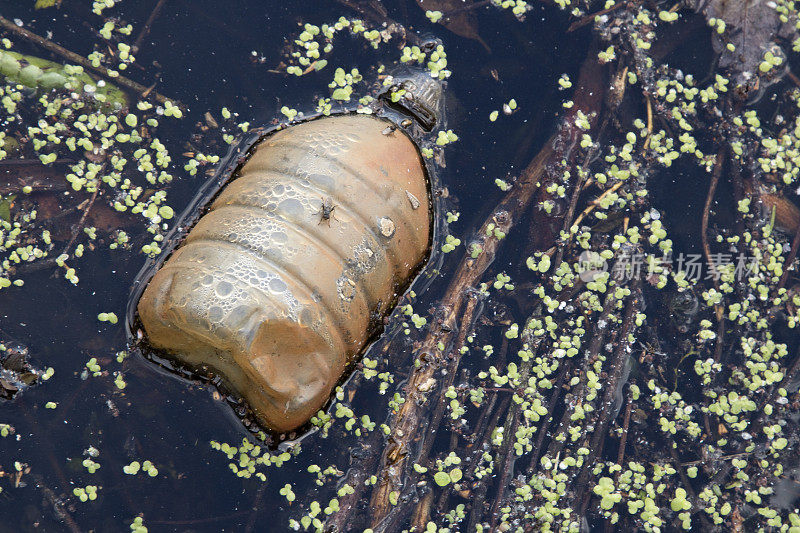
208	56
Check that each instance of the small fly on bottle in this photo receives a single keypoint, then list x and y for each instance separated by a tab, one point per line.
326	211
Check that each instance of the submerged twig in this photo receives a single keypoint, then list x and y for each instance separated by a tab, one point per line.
467	7
58	504
404	426
588	19
605	416
478	508
505	456
137	88
433	427
592	206
712	189
789	262
147	25
77	228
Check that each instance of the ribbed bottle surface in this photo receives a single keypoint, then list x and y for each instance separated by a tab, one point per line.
275	286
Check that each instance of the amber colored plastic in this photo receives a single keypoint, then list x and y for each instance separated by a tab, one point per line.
274	288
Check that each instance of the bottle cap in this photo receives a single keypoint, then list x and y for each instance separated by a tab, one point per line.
422	98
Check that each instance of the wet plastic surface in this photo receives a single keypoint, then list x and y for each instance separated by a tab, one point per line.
277	285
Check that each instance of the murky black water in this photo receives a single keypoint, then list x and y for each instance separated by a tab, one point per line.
200	52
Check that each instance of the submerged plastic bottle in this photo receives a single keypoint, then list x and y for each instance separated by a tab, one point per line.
279	285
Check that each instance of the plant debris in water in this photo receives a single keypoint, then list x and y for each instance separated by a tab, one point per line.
615	343
16	372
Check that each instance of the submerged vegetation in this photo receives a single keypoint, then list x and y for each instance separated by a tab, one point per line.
630	364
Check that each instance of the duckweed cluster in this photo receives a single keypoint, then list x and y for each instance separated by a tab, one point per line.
88	493
254	460
51	111
147	467
314	42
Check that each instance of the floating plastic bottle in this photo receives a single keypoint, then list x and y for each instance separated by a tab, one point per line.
287	275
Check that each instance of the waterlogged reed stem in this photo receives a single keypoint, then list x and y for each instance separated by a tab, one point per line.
129	84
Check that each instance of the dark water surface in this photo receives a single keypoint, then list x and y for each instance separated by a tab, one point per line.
200	52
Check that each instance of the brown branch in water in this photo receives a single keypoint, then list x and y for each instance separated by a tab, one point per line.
589	98
422	513
478	507
649	123
368	453
79	226
405	425
505	455
147	25
623	440
573	204
16	174
791	75
468	318
721	458
588	19
606	414
613	97
592	353
697	504
787	265
467	7
35	266
251	522
394	476
58	505
591	207
712	189
356	478
543	429
444	496
28	268
129	84
433	427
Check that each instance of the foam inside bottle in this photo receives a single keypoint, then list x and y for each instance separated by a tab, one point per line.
272	297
